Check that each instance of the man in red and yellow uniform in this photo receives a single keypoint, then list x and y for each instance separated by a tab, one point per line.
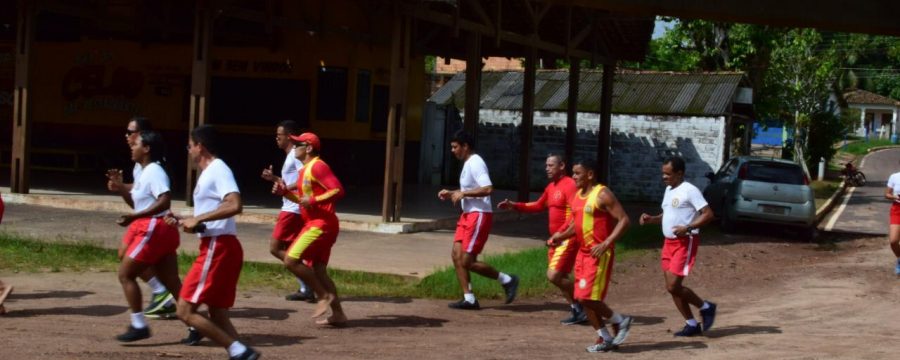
560	255
308	256
599	220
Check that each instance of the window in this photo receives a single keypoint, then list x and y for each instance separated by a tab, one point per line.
331	94
775	173
380	106
363	95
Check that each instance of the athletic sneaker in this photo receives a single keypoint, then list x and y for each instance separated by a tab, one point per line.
602	346
464	305
709	316
624	327
897	268
158	302
689	331
510	288
248	354
578	317
167	312
308	296
134	334
193	338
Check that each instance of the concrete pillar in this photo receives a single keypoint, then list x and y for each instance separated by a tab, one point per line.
396	131
862	122
20	164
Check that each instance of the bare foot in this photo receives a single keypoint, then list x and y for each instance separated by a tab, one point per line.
4	292
2	310
336	320
322	305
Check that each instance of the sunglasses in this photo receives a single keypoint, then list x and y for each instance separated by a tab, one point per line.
128	132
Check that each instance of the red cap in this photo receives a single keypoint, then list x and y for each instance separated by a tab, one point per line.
308	138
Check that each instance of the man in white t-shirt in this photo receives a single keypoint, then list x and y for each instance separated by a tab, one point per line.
212	280
162	303
684	212
892	192
474	224
290	222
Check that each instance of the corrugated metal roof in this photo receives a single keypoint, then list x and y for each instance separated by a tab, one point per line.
634	92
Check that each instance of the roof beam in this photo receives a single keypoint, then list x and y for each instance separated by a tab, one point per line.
861	16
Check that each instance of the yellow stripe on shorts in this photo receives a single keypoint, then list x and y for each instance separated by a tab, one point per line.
557	254
303	242
600	282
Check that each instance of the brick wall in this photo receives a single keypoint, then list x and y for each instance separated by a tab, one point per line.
639	145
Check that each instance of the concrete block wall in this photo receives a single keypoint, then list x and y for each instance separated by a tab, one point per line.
639	145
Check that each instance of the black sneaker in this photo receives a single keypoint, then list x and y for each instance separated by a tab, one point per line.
248	354
578	317
308	296
464	305
510	288
193	338
689	331
134	334
709	316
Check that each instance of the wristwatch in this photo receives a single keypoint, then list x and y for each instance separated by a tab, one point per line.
690	229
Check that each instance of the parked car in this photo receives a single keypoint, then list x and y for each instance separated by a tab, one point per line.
762	190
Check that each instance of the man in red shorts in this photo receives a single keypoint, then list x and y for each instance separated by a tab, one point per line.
684	212
213	278
892	192
599	220
290	222
560	254
474	224
308	255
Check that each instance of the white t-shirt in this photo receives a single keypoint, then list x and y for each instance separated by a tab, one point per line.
680	207
214	183
290	172
136	172
475	175
894	183
151	182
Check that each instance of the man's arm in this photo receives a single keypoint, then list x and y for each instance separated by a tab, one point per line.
231	205
608	201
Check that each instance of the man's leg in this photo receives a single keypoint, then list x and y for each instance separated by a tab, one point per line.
217	327
308	276
894	237
128	273
564	283
337	311
510	283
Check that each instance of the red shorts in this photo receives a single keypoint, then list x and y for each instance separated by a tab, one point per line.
288	226
561	258
150	239
592	275
213	278
678	254
2	208
895	214
313	246
472	231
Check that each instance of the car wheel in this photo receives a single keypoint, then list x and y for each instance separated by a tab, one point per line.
810	233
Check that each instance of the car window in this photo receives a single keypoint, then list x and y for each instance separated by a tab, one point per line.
774	173
729	168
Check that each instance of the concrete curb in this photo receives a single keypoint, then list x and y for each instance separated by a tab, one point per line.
829	204
877	148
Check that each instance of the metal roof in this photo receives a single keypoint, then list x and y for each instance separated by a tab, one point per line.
655	93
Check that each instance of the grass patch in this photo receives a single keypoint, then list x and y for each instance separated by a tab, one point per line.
862	147
823	189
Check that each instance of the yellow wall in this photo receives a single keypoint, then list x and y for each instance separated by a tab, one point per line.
102	83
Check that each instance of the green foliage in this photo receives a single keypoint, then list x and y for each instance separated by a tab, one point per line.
825	129
862	147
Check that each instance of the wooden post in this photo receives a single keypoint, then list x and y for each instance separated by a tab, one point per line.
603	135
527	127
396	128
199	101
473	85
21	139
572	112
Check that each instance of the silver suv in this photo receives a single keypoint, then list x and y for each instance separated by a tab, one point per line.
765	190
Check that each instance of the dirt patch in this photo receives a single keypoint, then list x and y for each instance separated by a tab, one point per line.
777	299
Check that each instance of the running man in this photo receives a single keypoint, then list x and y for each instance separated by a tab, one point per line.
149	243
308	256
474	223
892	192
560	255
162	303
290	222
684	212
599	220
213	278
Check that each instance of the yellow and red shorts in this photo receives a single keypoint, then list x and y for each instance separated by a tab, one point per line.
150	239
561	257
288	227
213	278
592	275
314	243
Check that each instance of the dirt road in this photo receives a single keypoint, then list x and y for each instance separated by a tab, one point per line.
777	300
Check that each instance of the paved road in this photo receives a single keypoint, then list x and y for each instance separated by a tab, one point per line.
864	209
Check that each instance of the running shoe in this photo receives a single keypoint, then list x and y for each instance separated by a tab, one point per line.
709	316
510	289
464	305
134	334
248	354
167	312
308	296
689	331
624	327
158	302
193	338
602	346
897	268
579	316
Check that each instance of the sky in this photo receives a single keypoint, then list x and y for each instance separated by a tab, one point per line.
660	28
